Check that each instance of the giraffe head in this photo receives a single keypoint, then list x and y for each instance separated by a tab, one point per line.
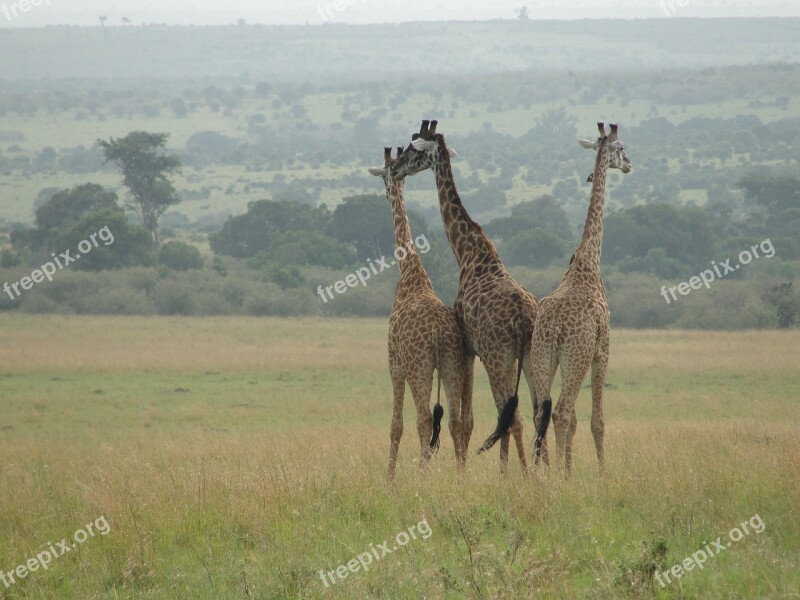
421	152
385	171
614	149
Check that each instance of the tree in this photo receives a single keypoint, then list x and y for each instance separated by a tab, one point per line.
246	235
62	210
178	107
71	205
366	222
535	248
786	302
304	248
774	194
120	245
684	233
146	172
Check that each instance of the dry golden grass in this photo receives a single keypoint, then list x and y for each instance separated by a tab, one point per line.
236	458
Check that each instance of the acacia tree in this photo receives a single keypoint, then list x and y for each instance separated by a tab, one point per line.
146	171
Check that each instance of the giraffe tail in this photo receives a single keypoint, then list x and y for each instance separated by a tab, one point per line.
506	418
541	430
438	413
504	422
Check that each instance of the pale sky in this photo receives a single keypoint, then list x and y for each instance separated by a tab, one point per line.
211	12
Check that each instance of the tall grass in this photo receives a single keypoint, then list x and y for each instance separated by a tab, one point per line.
238	457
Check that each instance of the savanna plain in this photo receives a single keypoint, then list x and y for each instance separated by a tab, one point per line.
238	457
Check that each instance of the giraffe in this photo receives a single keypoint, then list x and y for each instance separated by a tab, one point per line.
496	314
423	337
572	327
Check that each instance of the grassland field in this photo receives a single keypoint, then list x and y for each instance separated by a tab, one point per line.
239	457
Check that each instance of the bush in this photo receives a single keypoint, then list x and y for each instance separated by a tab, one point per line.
180	256
175	298
9	258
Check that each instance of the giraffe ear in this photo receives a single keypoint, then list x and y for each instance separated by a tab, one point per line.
451	152
378	172
422	145
589	144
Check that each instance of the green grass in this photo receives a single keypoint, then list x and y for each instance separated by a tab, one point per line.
238	457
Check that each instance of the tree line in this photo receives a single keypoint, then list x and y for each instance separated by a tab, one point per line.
289	243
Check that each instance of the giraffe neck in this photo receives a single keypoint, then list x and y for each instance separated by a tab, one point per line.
467	239
587	255
411	269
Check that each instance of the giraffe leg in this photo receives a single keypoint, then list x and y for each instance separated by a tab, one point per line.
516	426
499	379
599	369
396	431
543	366
572	376
573	427
421	392
452	374
467	420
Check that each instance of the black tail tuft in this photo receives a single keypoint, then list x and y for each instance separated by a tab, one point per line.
438	413
504	422
544	422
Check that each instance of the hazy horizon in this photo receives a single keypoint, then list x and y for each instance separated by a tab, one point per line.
205	12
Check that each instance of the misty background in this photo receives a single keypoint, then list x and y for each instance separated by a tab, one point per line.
271	12
273	128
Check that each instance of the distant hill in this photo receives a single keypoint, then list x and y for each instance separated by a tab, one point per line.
250	53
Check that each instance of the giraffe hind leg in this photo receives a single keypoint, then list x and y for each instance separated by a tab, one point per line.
599	368
541	382
467	419
453	386
421	392
396	430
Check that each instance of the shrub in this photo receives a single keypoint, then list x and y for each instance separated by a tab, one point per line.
174	298
180	256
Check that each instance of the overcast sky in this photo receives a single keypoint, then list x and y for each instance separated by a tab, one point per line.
214	12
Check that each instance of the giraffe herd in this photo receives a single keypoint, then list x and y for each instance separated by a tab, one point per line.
496	319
